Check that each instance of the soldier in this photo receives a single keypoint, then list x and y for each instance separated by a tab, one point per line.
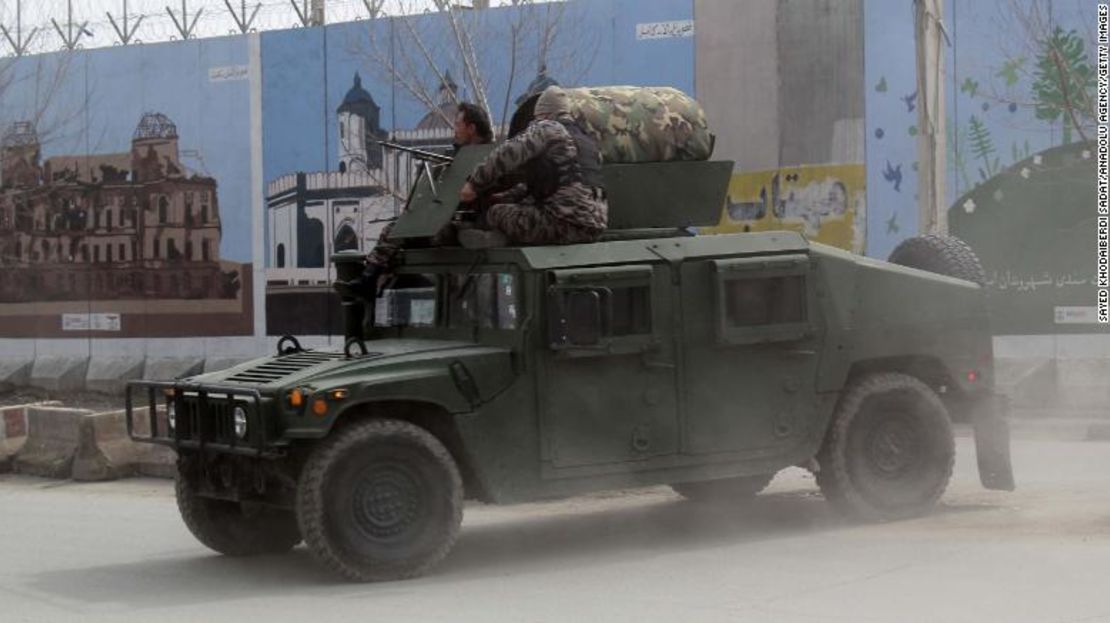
562	201
472	127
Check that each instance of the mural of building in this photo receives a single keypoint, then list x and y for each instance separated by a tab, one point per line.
315	214
112	228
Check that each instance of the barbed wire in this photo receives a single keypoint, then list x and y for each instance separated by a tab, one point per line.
152	23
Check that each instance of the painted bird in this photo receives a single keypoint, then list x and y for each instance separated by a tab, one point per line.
894	175
911	101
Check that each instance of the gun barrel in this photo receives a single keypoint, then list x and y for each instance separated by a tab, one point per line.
419	154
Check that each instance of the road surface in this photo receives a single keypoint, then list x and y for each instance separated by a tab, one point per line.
118	552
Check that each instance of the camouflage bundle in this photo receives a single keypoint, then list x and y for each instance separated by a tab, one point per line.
642	124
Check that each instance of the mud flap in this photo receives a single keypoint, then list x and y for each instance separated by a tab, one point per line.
992	443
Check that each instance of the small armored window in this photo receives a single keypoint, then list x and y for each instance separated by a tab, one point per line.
762	299
765	300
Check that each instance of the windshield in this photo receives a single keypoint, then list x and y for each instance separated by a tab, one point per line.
487	300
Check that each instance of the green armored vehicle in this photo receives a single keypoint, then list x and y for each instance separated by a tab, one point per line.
652	357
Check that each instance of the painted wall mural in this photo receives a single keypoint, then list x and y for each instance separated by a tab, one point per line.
124	202
1020	178
331	94
826	203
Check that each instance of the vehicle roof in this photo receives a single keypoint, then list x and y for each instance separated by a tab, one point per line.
617	252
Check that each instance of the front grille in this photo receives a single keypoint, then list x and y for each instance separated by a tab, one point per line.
283	366
216	419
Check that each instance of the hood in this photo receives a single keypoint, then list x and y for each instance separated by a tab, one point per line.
326	366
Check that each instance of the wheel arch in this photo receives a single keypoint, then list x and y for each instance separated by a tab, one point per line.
430	416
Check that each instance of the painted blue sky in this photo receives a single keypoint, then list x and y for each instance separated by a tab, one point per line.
301	91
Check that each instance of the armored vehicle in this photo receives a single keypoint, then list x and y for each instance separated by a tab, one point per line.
651	357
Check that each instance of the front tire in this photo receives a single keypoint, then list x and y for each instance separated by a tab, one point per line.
889	451
380	500
233	528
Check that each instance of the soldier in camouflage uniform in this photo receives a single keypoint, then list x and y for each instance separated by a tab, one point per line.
472	127
562	200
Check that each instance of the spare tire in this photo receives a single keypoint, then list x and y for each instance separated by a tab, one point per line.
944	255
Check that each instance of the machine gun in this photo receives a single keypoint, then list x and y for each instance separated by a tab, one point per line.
418	154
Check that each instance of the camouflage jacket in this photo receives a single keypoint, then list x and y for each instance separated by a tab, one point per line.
575	203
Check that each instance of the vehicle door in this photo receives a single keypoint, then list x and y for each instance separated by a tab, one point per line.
607	378
751	339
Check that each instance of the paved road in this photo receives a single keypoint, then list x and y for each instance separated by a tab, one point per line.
117	552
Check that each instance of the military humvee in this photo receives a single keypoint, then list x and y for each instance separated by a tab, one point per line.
652	357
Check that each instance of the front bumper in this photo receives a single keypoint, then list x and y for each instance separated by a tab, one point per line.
203	415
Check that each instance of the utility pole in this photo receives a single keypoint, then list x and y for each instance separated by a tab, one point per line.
70	39
317	12
929	35
18	43
184	27
125	33
242	22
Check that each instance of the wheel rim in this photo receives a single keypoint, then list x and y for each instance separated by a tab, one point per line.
894	447
387	502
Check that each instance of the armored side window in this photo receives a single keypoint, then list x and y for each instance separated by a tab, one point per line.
762	299
489	300
759	301
602	308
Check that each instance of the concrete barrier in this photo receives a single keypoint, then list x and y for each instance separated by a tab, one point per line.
13	431
109	375
87	446
59	373
53	434
15	372
168	369
146	459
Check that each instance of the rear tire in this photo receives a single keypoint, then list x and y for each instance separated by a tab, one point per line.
380	500
889	451
944	255
233	528
725	490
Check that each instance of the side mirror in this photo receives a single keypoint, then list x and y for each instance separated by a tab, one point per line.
575	317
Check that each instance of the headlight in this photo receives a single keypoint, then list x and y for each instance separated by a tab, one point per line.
171	415
239	416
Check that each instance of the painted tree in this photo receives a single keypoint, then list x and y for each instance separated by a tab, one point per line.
1064	83
982	147
418	53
